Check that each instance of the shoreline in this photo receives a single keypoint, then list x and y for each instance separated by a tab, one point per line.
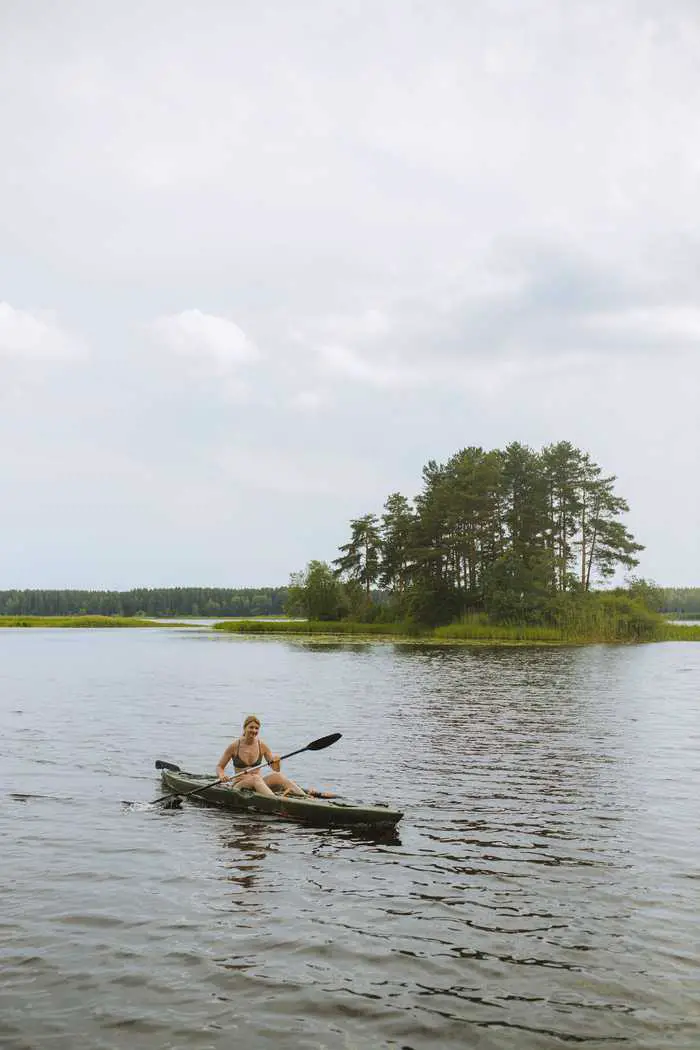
320	632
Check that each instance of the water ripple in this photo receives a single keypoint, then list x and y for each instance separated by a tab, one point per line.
541	890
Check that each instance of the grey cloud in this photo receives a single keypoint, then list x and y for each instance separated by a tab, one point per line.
425	222
28	336
543	303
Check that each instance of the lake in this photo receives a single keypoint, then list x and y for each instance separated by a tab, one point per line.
543	889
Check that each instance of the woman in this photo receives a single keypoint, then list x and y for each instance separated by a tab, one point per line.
248	752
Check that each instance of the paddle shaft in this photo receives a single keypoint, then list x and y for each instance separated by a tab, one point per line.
215	782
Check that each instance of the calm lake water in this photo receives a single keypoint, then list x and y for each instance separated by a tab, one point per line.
543	890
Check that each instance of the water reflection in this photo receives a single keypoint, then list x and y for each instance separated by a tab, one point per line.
261	842
254	839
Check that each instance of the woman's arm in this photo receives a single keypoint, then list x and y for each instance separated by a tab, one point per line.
225	759
274	760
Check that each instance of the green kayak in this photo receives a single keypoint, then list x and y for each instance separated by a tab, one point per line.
323	812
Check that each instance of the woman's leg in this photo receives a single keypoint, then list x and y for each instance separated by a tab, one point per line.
279	780
255	781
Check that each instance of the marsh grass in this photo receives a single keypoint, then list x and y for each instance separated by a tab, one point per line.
306	627
75	621
600	627
603	618
676	632
457	632
516	632
470	629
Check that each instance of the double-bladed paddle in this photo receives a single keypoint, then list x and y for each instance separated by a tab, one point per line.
315	745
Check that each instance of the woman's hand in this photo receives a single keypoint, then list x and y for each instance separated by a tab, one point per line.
275	763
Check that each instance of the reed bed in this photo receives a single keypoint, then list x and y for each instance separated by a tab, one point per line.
587	630
676	632
478	629
74	621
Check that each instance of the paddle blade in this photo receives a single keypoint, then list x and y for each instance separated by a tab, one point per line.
160	764
323	741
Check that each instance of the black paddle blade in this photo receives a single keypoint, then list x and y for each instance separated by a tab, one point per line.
172	803
323	741
160	764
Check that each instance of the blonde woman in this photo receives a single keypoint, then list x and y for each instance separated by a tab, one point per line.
249	752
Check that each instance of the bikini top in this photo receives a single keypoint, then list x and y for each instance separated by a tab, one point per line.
238	763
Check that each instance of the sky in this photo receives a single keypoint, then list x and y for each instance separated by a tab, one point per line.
261	261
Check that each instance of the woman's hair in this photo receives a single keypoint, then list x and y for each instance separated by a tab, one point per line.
251	718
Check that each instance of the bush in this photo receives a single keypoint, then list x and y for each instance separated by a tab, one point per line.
603	616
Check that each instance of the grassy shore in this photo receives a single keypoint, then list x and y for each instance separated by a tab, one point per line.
75	621
676	632
396	632
470	631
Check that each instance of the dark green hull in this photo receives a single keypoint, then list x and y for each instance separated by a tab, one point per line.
322	812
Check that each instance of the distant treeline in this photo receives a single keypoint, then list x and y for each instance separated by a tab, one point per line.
147	601
681	602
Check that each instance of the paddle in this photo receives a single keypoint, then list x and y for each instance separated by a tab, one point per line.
315	745
311	792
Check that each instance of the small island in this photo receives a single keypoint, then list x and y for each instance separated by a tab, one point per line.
500	546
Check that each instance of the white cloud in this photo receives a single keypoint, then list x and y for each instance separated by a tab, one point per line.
672	324
380	369
310	400
215	343
368	324
474	222
27	336
288	472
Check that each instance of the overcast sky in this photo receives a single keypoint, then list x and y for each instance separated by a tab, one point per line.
260	260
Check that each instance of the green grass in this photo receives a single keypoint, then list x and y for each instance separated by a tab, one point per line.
339	627
474	629
74	621
489	632
460	632
676	632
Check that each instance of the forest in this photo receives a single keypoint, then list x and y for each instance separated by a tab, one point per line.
682	603
156	601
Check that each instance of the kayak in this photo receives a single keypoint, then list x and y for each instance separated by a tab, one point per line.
322	812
